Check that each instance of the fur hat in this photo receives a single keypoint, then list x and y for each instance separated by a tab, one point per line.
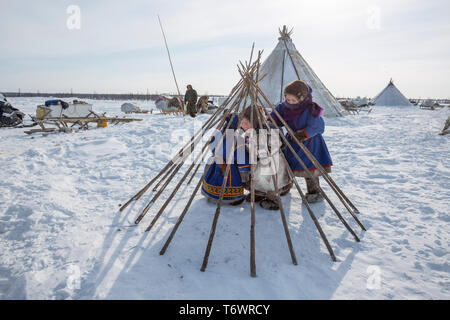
297	88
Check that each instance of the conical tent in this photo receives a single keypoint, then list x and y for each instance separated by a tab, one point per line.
284	65
391	96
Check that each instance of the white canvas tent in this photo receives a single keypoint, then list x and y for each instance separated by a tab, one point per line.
284	65
391	96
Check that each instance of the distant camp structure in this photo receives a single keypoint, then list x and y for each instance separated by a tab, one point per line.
391	96
362	102
9	116
446	129
212	108
171	105
349	106
355	106
430	104
129	107
284	65
204	105
60	116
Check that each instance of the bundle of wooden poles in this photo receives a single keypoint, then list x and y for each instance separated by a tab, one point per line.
247	90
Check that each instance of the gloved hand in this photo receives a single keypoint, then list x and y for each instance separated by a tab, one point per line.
301	135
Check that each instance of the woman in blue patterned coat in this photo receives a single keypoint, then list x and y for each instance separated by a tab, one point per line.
304	117
238	173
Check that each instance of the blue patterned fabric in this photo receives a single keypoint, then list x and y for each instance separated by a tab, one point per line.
214	177
313	127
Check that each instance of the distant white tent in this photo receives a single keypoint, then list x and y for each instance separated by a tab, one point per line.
284	65
391	96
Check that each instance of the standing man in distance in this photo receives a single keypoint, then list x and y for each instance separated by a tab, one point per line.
190	99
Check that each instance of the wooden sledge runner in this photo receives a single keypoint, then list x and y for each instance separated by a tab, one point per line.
66	124
173	112
173	106
142	111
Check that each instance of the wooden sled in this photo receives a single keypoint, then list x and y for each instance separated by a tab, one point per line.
355	110
142	111
173	112
66	124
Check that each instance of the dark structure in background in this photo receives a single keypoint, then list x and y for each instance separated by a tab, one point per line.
9	116
96	96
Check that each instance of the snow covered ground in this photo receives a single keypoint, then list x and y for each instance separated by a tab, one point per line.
62	236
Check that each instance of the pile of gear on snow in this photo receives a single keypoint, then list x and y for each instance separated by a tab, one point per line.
9	116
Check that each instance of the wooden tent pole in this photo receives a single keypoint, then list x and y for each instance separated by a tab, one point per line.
280	204
205	127
212	125
292	60
208	165
200	155
252	187
193	174
179	165
222	190
219	204
275	182
308	207
311	213
282	78
171	65
163	178
301	162
198	166
327	178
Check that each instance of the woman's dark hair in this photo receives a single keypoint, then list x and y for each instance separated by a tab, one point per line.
247	113
233	125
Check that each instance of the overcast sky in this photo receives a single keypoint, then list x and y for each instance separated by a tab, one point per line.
354	47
